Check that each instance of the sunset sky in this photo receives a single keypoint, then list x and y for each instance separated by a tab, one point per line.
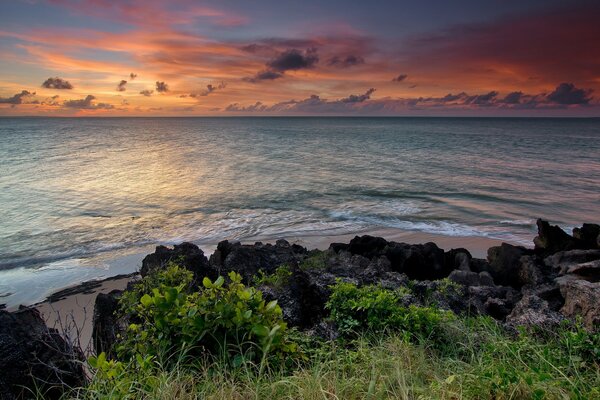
228	58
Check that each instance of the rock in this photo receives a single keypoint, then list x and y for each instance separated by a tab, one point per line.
589	271
302	302
479	265
367	246
187	255
337	247
589	235
34	356
495	301
417	261
563	261
458	259
468	278
504	264
247	260
582	299
105	322
531	271
534	312
552	239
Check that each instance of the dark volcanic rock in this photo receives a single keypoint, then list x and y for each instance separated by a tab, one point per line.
551	239
582	299
417	261
564	261
187	255
505	263
367	246
247	260
534	312
32	355
589	235
458	259
301	301
105	322
469	278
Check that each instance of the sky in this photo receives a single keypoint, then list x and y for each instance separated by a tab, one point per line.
310	57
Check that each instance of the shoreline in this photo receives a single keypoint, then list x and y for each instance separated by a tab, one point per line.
70	309
128	263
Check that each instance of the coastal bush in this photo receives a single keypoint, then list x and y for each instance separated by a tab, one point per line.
171	276
375	309
222	319
279	278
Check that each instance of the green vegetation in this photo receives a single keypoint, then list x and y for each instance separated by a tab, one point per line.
279	278
225	342
315	261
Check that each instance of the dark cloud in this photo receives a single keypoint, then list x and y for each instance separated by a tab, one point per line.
400	78
210	88
147	93
266	75
56	83
512	98
353	98
132	76
52	101
345	62
236	107
292	60
87	104
161	87
567	94
482	99
17	98
121	87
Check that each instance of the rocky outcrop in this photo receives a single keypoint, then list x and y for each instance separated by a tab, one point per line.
34	356
186	254
248	260
105	322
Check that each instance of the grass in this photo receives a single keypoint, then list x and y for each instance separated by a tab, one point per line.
484	362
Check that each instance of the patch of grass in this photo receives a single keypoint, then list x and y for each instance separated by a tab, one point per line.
315	261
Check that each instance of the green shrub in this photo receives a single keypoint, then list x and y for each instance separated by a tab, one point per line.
226	320
373	308
171	276
280	277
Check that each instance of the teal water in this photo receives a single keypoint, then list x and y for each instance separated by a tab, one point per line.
76	188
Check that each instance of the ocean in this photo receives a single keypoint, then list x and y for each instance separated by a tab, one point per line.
75	192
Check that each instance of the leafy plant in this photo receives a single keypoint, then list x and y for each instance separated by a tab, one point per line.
280	277
373	308
228	320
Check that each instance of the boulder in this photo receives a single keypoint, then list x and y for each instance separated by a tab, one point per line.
34	356
532	271
562	262
552	239
534	312
495	301
417	261
187	255
469	278
458	259
105	322
582	299
248	260
367	246
302	302
589	235
505	263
